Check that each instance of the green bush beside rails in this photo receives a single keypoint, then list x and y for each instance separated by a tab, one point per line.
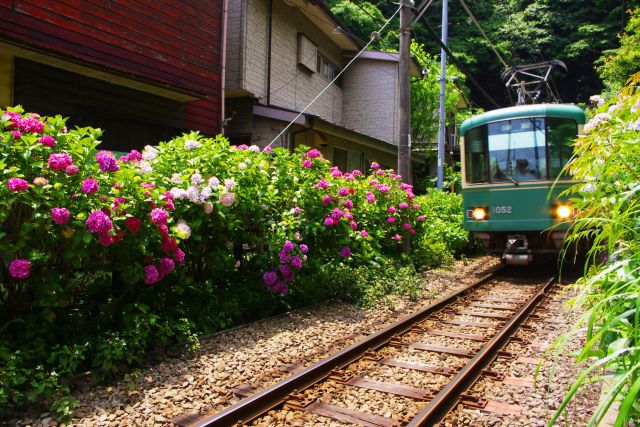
105	259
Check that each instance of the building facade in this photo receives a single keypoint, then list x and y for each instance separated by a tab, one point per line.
143	71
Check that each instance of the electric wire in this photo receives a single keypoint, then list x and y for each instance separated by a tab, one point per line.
334	79
491	45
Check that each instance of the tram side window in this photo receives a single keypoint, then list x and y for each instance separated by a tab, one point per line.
560	134
476	161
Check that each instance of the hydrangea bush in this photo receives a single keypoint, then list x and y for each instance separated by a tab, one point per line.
102	257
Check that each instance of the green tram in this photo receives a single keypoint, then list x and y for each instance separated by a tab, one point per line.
512	175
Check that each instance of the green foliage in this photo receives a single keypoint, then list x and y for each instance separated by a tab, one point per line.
617	65
444	237
606	166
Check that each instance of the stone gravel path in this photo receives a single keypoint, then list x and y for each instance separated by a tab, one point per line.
257	354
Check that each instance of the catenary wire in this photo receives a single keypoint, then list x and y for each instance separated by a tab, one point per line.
334	80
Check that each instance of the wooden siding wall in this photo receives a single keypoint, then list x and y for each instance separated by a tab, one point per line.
167	42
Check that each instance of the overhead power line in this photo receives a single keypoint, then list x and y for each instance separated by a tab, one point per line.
491	45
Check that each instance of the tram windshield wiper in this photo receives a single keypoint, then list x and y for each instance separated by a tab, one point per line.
515	181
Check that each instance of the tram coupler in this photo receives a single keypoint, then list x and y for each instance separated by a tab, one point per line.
517	250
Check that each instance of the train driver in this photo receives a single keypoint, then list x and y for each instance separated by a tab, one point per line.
523	173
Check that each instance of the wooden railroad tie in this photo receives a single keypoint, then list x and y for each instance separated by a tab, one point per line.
302	403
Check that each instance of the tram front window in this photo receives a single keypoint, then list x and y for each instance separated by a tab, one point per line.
516	150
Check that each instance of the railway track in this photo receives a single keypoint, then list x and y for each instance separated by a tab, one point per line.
424	364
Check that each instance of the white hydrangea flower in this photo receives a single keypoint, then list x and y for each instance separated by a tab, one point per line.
190	144
196	179
193	195
597	99
183	229
242	165
179	193
254	148
149	152
145	167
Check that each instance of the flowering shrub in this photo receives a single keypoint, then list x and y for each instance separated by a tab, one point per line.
113	256
606	169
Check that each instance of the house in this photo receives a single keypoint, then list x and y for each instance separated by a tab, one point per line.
280	55
144	71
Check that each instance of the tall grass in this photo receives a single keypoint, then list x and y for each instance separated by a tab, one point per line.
606	166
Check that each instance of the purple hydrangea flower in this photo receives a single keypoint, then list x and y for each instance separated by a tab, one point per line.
296	262
323	184
343	192
151	275
345	252
288	246
269	277
287	273
304	248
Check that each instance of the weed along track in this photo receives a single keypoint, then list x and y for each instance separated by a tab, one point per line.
411	373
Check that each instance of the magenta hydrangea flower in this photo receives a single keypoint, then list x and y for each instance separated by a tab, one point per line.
391	209
356	172
304	248
328	221
410	195
383	188
375	165
159	216
403	205
59	161
345	252
106	239
133	224
284	257
296	262
336	173
343	192
391	220
421	218
178	255
313	153
99	222
406	226
16	134
60	215
380	172
166	266
20	268
307	163
348	203
397	237
286	272
363	233
47	141
269	277
370	197
353	225
107	161
17	184
71	170
31	124
90	186
151	275
416	206
322	184
373	182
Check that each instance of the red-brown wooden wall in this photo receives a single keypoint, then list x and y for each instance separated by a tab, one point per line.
169	42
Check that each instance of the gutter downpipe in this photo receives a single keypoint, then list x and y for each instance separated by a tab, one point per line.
225	13
269	34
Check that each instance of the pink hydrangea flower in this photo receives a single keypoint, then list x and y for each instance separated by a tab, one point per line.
380	172
328	221
16	134
391	209
322	184
374	165
47	141
151	275
326	200
370	197
99	222
343	192
227	199
348	203
356	172
159	216
107	161
397	237
373	182
307	163
421	218
406	226
363	233
178	255
60	215
71	170
166	266
90	186
106	239
20	268
403	205
17	184
416	206
336	174
59	161
391	220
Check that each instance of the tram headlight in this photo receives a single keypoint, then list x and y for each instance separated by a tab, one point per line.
562	211
479	214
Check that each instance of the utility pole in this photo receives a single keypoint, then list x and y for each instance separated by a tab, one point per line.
443	86
404	153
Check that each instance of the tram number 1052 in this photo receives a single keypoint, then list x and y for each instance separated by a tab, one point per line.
502	209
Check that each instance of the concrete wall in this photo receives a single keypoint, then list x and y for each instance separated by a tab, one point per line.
371	98
292	86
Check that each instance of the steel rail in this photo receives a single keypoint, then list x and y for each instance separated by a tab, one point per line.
265	400
446	399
